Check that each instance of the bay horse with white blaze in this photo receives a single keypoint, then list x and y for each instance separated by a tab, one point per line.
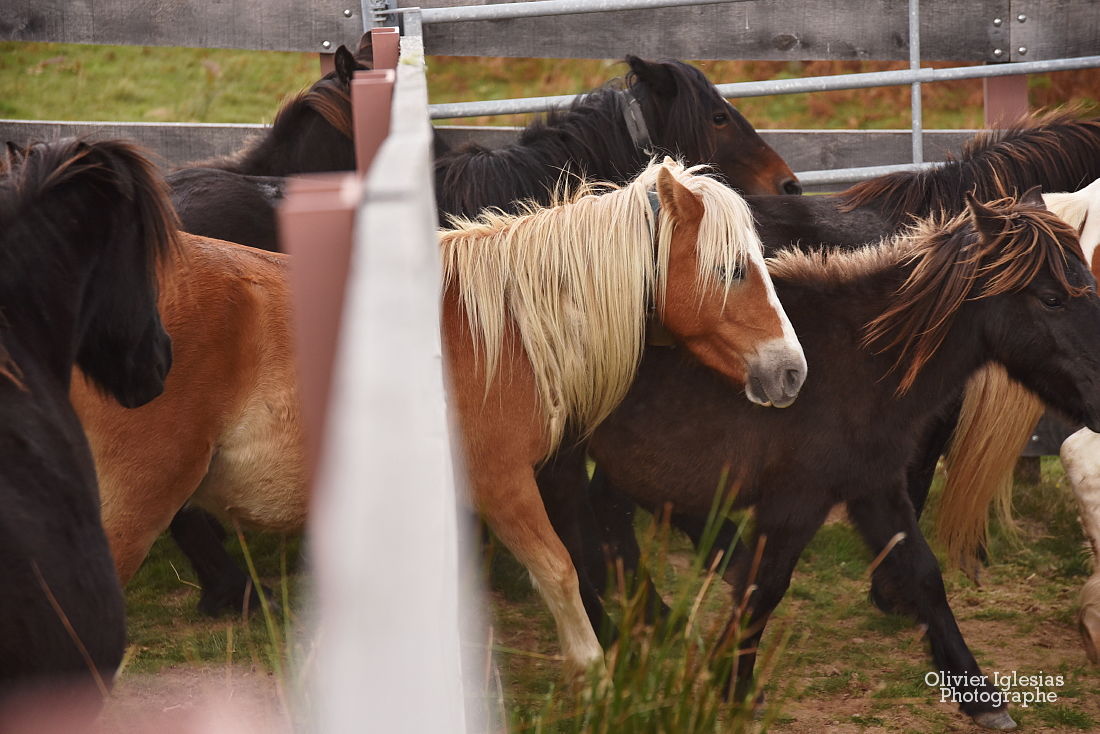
892	332
83	227
544	317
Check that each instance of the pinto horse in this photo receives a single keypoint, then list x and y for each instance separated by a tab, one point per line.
891	331
544	317
83	227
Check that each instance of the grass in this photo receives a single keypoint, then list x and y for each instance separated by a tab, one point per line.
46	81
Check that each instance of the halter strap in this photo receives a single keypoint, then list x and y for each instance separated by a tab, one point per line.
656	335
635	121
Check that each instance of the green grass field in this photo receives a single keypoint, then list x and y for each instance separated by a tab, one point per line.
42	81
841	666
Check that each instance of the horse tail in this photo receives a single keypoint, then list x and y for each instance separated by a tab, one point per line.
998	415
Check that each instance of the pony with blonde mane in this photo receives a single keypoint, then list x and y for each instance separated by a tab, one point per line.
998	416
544	322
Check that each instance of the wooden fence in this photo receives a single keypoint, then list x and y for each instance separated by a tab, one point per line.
385	482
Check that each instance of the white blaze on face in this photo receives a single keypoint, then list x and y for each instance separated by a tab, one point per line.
783	354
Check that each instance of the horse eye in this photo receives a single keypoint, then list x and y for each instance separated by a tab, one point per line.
1051	302
730	275
721	118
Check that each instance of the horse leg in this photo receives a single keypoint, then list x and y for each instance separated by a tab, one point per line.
1081	459
910	569
510	504
780	538
614	513
562	482
225	585
919	475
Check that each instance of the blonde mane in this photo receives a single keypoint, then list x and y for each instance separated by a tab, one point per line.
577	281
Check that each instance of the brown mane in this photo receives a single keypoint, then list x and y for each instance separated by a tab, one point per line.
328	98
949	259
1052	149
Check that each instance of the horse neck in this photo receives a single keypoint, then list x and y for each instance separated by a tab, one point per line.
830	321
590	141
299	142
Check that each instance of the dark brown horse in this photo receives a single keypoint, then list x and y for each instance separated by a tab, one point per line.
890	334
83	227
1054	151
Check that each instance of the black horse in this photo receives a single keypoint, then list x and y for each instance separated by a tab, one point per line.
610	134
82	228
235	198
1054	151
890	334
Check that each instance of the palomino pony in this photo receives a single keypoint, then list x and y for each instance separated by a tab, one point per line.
1054	150
544	317
82	229
607	135
891	331
237	453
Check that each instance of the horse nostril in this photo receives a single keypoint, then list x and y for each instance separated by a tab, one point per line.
792	186
792	381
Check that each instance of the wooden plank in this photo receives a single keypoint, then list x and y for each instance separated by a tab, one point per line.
274	25
762	29
804	150
174	143
1053	29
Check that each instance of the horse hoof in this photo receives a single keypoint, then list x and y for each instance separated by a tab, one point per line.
999	720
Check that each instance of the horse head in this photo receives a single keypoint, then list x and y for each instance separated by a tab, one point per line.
689	119
718	298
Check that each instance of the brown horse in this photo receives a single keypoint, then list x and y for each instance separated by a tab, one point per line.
236	451
544	322
544	316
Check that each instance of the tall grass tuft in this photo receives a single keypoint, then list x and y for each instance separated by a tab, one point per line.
668	676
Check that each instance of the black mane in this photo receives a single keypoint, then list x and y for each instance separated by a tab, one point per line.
589	140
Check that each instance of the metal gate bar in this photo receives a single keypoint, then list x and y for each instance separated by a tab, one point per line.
784	86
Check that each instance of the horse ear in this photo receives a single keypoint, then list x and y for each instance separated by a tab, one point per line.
15	154
988	222
654	75
1033	197
681	204
345	64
